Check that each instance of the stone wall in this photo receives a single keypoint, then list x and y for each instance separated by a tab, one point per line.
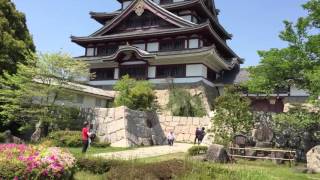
127	128
183	127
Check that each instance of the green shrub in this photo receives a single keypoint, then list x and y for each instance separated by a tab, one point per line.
11	170
100	144
96	165
182	103
196	150
66	138
136	95
2	138
70	139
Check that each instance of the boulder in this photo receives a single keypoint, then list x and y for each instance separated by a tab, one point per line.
217	153
313	159
9	138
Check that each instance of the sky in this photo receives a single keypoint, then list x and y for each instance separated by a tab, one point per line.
255	24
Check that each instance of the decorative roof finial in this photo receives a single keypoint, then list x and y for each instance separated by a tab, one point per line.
139	8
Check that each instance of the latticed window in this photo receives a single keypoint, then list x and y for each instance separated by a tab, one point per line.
102	74
107	50
171	71
134	71
169	45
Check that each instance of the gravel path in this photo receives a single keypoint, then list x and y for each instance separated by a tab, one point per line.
146	152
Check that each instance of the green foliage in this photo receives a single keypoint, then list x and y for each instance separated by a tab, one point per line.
136	95
70	139
298	64
98	144
96	165
65	138
30	95
232	115
182	103
2	137
16	42
197	150
299	126
11	170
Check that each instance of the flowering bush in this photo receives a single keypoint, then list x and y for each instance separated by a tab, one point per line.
31	162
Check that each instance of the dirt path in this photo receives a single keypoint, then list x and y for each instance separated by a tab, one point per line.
146	152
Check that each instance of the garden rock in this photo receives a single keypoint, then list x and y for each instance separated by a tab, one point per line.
217	153
36	136
313	160
9	138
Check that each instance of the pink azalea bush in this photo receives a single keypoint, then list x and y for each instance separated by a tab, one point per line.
35	162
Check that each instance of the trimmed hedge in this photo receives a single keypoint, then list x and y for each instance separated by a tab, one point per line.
70	139
197	150
96	165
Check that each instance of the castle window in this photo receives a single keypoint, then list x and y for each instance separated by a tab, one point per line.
102	74
169	45
107	50
171	71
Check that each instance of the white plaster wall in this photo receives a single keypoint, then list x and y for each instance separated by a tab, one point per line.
294	91
186	17
151	47
116	73
158	81
193	43
152	72
196	70
140	46
90	51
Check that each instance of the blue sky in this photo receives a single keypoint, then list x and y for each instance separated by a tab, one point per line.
255	24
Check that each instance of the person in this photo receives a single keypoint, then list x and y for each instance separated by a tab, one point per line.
198	132
201	135
171	138
85	136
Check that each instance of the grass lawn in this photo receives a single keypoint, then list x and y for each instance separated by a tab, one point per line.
242	170
94	150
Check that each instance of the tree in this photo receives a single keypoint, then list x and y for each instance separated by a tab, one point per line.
136	95
232	115
30	95
297	129
16	45
182	103
298	64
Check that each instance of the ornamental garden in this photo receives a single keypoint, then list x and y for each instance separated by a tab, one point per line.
159	71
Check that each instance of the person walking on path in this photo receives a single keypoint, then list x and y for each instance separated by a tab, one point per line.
202	133
197	134
85	136
171	138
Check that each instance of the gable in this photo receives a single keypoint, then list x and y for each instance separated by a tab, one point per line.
146	21
140	8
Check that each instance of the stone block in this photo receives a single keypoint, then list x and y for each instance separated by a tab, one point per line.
176	119
196	121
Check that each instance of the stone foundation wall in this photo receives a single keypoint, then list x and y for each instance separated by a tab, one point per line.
127	128
183	127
